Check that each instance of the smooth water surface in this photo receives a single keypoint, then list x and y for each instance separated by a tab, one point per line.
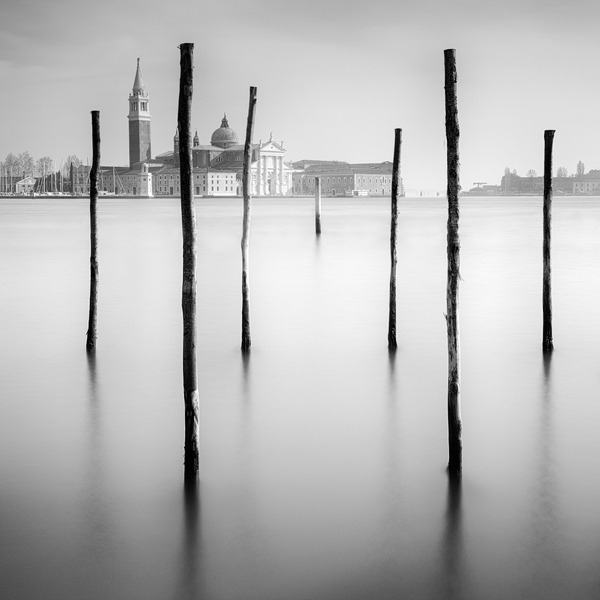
323	458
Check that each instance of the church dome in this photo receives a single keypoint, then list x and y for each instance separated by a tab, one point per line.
224	137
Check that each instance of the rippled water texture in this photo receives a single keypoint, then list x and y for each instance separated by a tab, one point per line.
323	459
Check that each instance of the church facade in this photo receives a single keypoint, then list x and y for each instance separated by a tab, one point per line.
270	174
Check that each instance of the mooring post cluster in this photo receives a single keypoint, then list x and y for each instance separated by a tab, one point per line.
189	234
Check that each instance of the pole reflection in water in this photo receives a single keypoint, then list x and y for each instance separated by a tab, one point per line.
452	543
98	546
190	564
545	567
393	535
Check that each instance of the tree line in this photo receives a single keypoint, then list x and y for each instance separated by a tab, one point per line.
560	171
24	165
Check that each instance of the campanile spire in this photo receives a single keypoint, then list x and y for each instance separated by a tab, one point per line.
139	121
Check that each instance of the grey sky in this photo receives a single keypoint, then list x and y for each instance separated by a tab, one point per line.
334	78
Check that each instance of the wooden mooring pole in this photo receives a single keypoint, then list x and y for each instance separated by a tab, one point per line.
246	340
452	323
318	205
547	341
396	191
191	449
90	344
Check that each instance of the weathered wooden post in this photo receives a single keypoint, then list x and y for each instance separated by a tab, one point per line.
188	298
547	342
90	344
452	135
318	205
396	191
246	341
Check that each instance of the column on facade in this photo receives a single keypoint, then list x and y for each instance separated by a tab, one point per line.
262	175
281	182
259	181
267	185
265	178
257	190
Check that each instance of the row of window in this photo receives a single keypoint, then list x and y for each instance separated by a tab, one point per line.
169	189
346	179
212	177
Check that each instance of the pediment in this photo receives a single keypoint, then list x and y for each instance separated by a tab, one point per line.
272	146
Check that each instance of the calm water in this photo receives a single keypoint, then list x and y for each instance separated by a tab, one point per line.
323	460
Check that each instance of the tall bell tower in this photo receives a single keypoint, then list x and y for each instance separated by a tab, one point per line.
139	121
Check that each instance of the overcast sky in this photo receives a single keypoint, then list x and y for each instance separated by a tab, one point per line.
334	78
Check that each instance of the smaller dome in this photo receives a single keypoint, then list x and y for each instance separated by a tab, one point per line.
224	136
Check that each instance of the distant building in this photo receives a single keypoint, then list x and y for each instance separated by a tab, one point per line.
270	174
515	185
8	181
484	190
342	178
80	180
138	182
217	166
588	184
26	186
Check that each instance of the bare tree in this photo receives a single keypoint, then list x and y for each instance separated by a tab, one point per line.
70	160
25	164
43	168
580	168
10	166
562	172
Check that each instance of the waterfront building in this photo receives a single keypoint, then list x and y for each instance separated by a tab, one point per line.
80	180
270	174
587	184
8	182
206	183
138	182
218	165
515	185
26	186
342	178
